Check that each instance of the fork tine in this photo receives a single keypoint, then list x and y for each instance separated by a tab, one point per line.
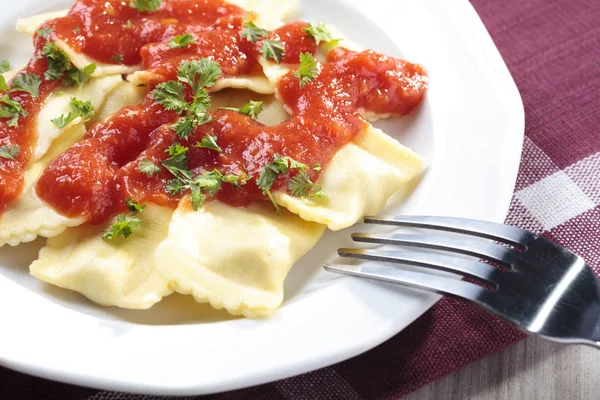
488	230
472	247
472	268
429	282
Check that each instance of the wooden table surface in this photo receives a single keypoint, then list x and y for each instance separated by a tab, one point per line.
531	369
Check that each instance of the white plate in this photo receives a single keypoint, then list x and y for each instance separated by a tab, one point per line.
471	132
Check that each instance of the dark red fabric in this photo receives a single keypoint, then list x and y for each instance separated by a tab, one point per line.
552	48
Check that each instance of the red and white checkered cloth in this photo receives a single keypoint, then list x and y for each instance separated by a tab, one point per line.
552	48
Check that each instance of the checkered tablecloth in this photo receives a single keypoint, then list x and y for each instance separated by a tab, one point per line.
552	48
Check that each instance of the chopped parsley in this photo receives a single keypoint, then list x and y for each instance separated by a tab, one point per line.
198	75
3	85
58	62
60	67
145	5
29	83
182	41
273	50
117	58
201	187
12	110
319	32
148	167
209	142
125	225
317	167
253	33
83	109
308	69
79	77
252	109
9	152
44	32
128	25
76	30
4	66
300	184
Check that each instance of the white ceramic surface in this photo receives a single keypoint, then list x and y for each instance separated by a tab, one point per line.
470	130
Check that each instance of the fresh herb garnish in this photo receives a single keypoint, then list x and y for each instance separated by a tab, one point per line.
201	187
117	58
83	109
9	152
145	5
252	109
4	66
58	62
3	85
308	69
253	33
182	41
76	30
11	109
209	142
317	167
319	32
128	25
44	32
300	185
148	167
79	77
198	75
29	83
273	50
125	225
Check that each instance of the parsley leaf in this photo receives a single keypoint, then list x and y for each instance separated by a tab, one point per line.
148	167
3	85
11	109
44	32
79	77
83	109
170	95
128	25
58	61
9	152
117	58
273	50
301	186
308	69
317	167
124	226
253	33
4	66
319	32
198	74
182	41
145	5
236	180
252	109
209	142
29	83
134	206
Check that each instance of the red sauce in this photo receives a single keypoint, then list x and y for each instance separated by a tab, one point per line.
94	176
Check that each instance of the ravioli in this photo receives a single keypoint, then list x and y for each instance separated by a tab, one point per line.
118	272
256	250
358	181
29	217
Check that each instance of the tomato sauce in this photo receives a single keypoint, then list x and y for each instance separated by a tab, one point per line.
94	176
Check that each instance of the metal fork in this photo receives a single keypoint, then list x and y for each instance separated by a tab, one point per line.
540	287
